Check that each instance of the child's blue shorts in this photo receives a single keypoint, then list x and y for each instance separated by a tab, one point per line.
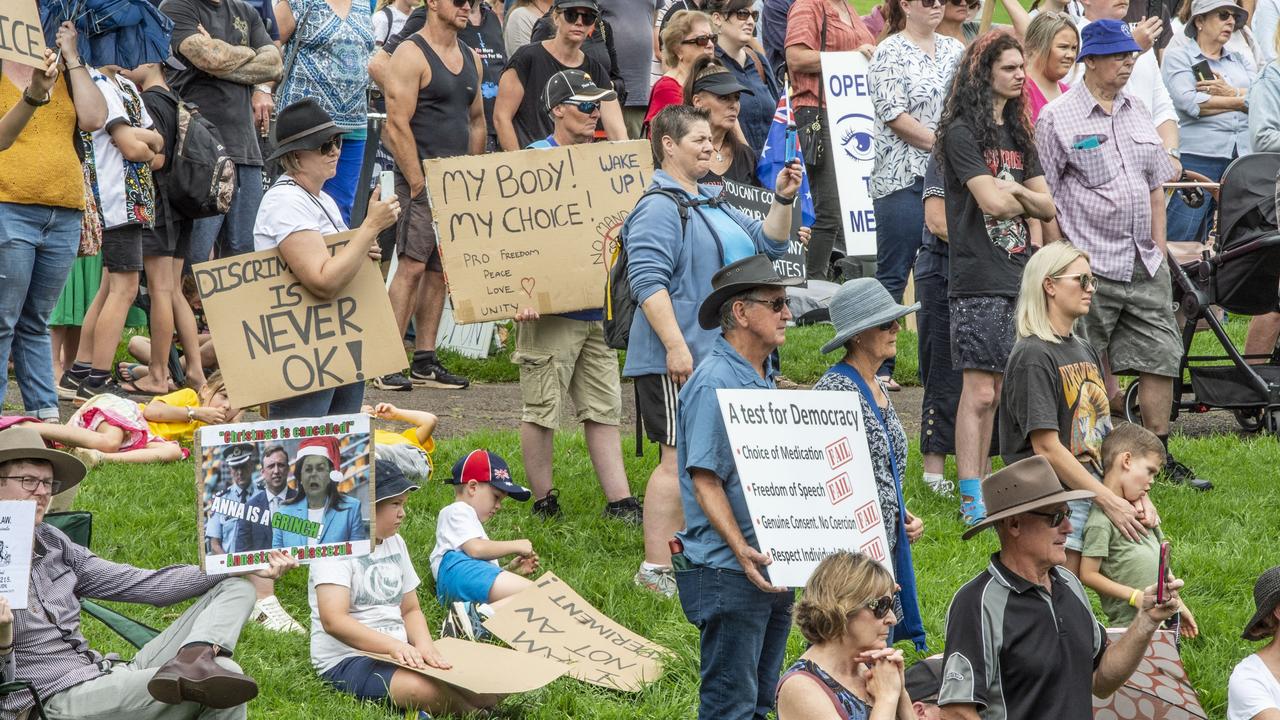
364	677
462	578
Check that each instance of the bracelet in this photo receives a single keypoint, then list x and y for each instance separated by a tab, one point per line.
784	200
1134	596
6	648
33	102
74	67
191	414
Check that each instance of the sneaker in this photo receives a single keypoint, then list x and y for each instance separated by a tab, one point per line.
432	374
67	387
394	382
939	484
628	510
1179	474
269	613
661	580
87	392
548	508
464	621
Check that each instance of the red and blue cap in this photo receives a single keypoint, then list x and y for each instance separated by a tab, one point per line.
487	467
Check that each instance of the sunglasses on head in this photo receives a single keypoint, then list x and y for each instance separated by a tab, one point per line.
775	305
330	145
1087	281
1054	518
703	40
586	107
744	15
578	16
880	606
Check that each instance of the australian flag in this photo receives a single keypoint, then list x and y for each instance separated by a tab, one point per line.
774	155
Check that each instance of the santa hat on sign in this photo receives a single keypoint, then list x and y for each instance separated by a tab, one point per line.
325	447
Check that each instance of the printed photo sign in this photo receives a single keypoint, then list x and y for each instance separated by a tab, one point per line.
303	486
852	120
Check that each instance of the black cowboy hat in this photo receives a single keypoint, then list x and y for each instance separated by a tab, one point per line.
304	125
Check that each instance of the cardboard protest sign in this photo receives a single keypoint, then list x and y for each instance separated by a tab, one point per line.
304	486
806	474
17	523
552	621
21	39
487	669
277	340
473	340
755	202
533	228
852	120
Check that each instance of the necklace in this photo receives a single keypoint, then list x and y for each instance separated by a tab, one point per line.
719	155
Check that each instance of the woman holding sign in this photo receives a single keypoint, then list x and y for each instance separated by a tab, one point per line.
866	319
295	216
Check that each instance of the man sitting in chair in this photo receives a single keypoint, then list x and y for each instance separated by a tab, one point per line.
185	672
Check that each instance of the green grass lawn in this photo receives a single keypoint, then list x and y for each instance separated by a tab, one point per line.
145	516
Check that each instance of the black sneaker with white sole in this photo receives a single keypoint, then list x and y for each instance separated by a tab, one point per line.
628	510
432	374
68	386
395	382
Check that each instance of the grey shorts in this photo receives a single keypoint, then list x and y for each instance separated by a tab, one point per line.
416	234
982	333
1132	323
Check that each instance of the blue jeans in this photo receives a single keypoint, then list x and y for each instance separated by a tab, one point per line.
1187	223
230	234
38	245
342	187
742	632
899	226
341	400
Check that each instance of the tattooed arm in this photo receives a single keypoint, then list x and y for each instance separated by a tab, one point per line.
214	56
265	66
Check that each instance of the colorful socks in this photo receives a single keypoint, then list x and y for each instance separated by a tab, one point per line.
971	506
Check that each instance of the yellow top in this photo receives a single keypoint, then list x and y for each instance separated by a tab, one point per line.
408	437
178	431
41	167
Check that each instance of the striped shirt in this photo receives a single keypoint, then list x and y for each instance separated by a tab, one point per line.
1019	651
51	652
1103	193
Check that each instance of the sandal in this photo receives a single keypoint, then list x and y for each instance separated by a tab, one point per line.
889	383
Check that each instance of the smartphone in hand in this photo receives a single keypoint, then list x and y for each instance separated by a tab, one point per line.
1202	71
386	185
1162	579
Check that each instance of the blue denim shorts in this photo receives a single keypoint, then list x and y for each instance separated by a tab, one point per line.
464	579
364	677
1079	516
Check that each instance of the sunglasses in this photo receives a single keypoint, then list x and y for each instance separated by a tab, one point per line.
931	3
1225	15
703	40
971	4
461	3
578	16
330	145
744	15
774	305
1055	518
586	107
1087	281
880	607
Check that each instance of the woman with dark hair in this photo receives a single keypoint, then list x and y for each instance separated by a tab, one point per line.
735	23
1253	692
316	475
716	90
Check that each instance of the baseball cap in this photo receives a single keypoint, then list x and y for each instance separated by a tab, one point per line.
720	83
391	482
573	86
1106	37
924	680
484	466
587	4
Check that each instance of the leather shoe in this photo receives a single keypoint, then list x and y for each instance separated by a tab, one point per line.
193	676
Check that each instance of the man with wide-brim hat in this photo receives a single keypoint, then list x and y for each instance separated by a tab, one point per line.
185	672
1022	640
742	619
1254	688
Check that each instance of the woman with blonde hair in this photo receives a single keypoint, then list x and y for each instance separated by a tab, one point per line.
686	38
846	614
1051	45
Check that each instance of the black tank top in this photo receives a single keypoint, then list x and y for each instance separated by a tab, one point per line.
441	124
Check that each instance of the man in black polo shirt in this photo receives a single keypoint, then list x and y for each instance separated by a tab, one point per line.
1022	641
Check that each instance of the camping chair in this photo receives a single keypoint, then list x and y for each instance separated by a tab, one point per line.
78	525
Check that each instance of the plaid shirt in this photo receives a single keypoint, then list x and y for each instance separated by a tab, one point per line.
50	650
1103	194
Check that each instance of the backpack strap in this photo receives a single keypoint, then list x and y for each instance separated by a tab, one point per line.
386	11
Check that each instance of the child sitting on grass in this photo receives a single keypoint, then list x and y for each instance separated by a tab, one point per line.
464	561
1113	566
370	604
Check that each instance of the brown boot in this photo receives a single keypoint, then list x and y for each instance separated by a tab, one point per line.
192	675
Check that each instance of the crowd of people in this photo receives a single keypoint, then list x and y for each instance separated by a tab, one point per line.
1018	178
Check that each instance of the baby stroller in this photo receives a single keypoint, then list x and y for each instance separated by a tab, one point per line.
1240	274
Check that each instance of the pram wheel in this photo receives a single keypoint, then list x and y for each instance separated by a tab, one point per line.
1250	419
1133	411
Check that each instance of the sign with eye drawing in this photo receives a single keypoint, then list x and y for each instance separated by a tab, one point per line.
852	119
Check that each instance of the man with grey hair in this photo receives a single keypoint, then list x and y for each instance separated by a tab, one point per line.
742	619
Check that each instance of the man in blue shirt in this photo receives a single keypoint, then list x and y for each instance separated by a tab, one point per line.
742	619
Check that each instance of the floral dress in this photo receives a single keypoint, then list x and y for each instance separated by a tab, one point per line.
848	705
331	61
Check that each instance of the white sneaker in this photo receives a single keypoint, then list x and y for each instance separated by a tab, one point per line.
661	580
939	484
269	613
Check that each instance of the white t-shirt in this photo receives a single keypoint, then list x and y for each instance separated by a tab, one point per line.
287	208
455	525
1251	690
107	159
377	582
382	30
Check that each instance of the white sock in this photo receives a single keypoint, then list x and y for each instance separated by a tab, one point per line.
646	565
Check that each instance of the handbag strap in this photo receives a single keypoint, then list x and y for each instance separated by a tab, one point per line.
822	47
296	41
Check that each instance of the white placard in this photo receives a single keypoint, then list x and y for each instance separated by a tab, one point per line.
852	120
17	525
472	340
806	473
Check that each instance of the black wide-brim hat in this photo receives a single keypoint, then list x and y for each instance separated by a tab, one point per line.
1266	596
304	125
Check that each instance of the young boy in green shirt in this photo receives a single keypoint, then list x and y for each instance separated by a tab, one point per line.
1112	565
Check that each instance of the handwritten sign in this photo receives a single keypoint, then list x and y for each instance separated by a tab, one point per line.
21	39
487	669
755	202
806	474
552	621
533	228
277	340
852	119
17	523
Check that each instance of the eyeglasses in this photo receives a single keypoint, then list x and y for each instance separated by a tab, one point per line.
1120	57
1087	281
703	40
774	305
744	15
1055	518
578	16
31	484
880	607
586	107
1225	15
331	145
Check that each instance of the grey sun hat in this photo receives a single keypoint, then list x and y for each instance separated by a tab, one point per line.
861	304
1266	595
1200	7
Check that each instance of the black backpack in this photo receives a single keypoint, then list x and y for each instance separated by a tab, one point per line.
619	302
199	178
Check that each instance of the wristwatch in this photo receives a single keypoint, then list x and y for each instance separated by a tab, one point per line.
1174	153
263	89
35	103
